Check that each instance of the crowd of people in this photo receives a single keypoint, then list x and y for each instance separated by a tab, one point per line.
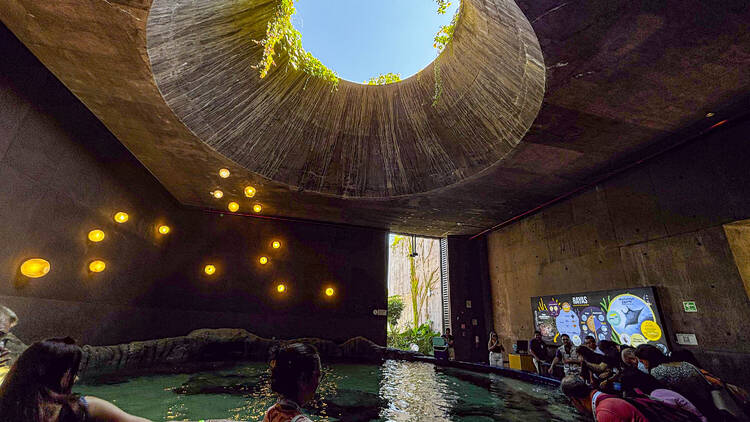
615	383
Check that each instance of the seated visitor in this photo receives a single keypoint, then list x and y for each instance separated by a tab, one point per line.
681	377
38	388
449	340
568	356
295	376
496	350
611	408
538	350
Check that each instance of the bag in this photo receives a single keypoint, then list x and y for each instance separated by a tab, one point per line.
658	411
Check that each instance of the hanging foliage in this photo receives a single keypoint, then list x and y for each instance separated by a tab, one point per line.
384	79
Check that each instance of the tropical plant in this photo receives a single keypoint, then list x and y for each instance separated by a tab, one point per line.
384	79
282	37
422	276
395	309
420	336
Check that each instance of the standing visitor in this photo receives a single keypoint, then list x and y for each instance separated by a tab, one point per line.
38	388
496	350
568	356
538	351
295	376
449	340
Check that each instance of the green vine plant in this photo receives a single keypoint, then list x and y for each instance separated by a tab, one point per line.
443	38
282	37
384	79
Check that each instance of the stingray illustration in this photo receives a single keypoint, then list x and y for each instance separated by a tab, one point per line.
631	316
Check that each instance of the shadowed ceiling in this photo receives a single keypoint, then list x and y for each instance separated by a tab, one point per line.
621	76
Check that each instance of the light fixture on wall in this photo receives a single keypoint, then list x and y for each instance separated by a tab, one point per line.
96	235
35	268
413	247
209	269
164	229
263	260
224	173
329	291
121	217
257	208
233	206
281	288
249	191
276	244
218	194
97	266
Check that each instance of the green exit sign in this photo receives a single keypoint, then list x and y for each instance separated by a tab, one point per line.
689	306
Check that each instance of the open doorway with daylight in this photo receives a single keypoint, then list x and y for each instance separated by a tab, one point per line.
417	287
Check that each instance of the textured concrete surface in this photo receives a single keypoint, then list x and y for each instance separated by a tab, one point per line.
738	235
621	76
62	174
657	225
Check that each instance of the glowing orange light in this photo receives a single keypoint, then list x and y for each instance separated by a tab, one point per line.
96	235
233	206
217	194
35	268
224	173
209	269
97	266
329	291
276	244
263	260
164	229
249	191
281	288
257	208
121	217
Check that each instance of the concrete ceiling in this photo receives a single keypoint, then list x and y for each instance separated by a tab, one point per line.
621	76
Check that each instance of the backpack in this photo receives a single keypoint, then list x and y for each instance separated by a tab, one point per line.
656	411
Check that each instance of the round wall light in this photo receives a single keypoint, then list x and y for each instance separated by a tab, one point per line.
35	268
209	269
164	229
217	194
97	266
257	208
249	191
276	244
329	291
224	173
121	217
281	288
263	260
96	235
233	206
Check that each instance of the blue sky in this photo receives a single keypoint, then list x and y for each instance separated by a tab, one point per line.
359	39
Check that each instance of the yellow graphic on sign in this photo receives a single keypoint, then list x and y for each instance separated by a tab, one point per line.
651	330
637	339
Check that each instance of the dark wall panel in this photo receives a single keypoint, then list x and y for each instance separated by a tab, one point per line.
62	174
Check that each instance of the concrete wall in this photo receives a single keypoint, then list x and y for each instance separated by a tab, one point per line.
657	225
62	174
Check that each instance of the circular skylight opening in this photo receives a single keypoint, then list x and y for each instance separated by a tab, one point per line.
361	39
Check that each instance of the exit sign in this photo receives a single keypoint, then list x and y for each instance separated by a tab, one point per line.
689	306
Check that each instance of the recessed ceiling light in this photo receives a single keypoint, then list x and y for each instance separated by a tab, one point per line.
224	173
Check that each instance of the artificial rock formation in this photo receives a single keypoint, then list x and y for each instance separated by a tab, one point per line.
217	345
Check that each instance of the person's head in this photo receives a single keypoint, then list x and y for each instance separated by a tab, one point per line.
447	331
41	378
538	335
578	392
590	342
684	356
650	356
565	340
8	320
589	355
628	357
493	335
295	371
608	347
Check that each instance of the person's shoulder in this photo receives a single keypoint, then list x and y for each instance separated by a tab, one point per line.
102	410
613	408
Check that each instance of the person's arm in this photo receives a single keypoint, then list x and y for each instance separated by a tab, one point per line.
4	357
104	411
531	351
490	344
554	361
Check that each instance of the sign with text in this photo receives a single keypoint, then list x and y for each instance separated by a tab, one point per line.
689	306
626	316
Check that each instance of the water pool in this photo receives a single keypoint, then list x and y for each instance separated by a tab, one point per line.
394	391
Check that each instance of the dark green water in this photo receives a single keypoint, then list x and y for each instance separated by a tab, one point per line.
394	391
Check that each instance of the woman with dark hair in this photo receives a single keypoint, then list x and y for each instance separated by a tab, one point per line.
295	376
38	388
496	350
